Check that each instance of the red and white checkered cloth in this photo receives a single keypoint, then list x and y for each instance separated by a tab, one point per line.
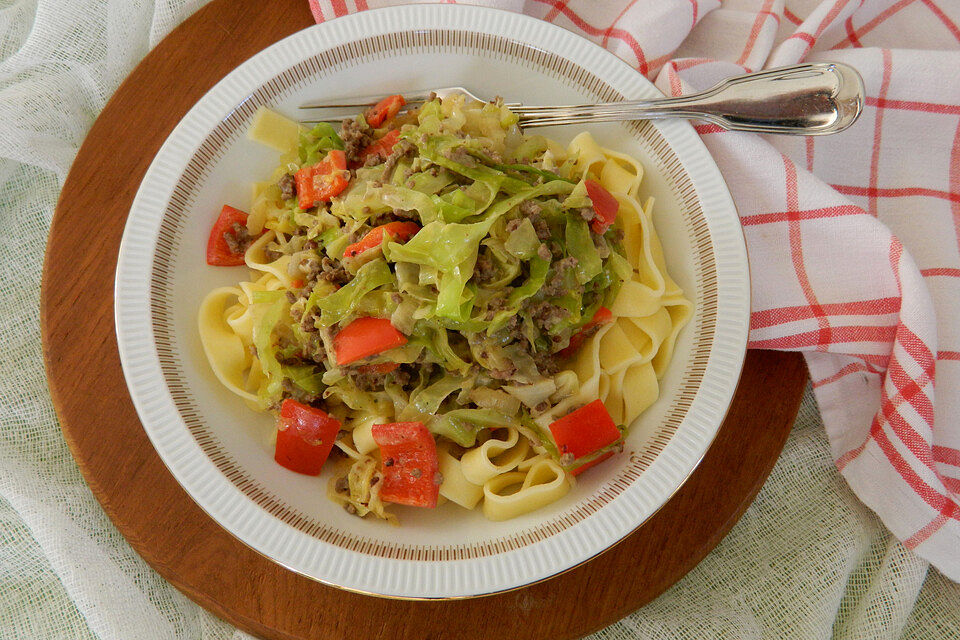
854	239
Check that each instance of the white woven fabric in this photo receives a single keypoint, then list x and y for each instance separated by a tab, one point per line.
807	560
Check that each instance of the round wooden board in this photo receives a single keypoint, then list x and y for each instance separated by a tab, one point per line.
183	544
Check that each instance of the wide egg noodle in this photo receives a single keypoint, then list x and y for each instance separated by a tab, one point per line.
229	358
257	259
515	493
497	455
455	486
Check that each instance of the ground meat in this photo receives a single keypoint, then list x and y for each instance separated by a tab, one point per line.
547	364
601	244
366	380
397	215
314	348
485	270
587	213
290	390
513	225
502	374
545	315
400	150
544	252
557	285
272	254
288	186
530	208
460	155
356	135
539	224
332	271
238	239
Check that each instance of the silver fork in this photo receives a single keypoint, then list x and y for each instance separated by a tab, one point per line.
803	99
414	100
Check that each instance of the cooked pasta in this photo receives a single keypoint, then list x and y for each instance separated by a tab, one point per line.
461	312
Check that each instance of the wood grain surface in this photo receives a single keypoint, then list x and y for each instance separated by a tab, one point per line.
191	551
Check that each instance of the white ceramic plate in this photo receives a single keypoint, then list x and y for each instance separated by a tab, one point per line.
219	451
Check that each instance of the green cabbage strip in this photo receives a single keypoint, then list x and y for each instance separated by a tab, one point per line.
342	302
523	243
538	275
544	436
305	376
427	401
452	153
434	338
462	425
271	308
580	246
315	143
526	168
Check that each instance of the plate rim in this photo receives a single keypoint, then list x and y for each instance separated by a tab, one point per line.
437	11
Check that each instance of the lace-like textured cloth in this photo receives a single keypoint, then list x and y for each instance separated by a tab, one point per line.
807	560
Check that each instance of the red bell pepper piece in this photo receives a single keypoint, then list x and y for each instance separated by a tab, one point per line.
588	429
381	147
305	436
601	317
384	110
410	466
366	337
320	182
219	253
605	206
399	231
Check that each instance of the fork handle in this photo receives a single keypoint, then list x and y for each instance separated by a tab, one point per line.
803	99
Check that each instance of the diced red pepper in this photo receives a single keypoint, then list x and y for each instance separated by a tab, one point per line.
399	231
601	317
320	182
381	147
296	283
383	367
219	253
410	466
366	337
605	206
384	110
586	430
305	436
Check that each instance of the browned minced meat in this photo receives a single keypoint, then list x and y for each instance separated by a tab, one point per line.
288	186
238	239
397	215
400	150
603	249
532	210
366	380
502	374
544	252
485	270
557	285
332	271
587	213
460	155
356	135
314	349
290	390
546	363
545	315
